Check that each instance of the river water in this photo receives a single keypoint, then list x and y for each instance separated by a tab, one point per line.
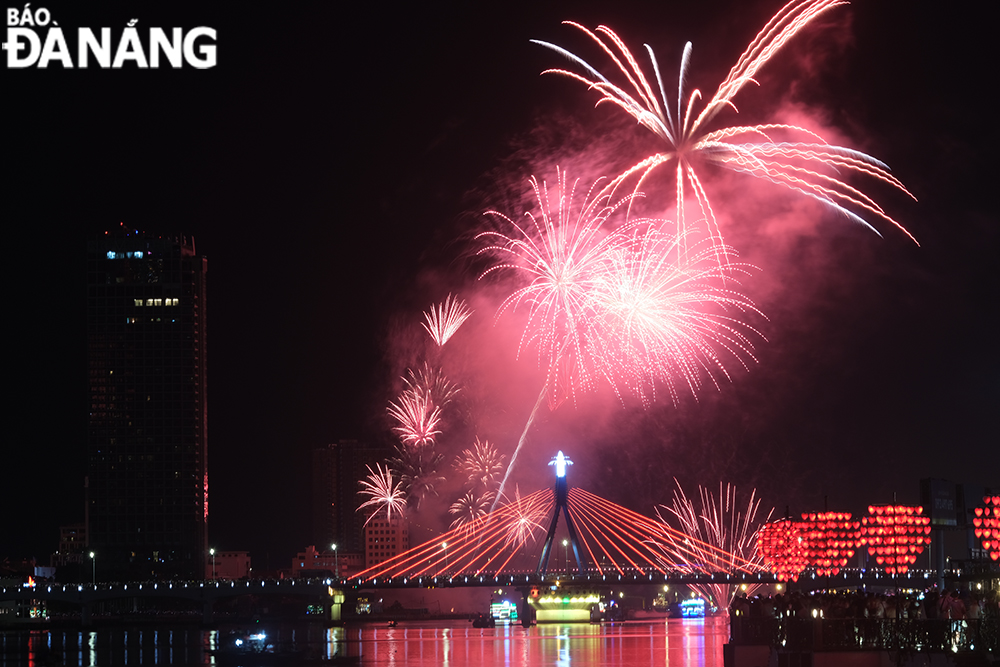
673	643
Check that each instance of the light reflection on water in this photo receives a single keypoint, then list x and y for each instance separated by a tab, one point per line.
676	643
691	643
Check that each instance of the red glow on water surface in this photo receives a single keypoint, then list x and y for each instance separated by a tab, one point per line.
678	643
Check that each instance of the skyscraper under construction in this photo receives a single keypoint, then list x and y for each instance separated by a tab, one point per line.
147	476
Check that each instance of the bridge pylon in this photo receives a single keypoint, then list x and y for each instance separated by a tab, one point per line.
561	493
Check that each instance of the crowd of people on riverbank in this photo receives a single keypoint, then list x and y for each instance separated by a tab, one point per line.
930	604
914	620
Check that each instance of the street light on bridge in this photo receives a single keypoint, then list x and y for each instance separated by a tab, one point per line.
336	561
93	562
444	545
211	552
566	553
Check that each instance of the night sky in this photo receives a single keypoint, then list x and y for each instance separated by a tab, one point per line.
334	166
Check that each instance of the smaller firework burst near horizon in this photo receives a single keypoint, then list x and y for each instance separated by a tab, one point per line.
469	508
526	515
712	533
384	494
481	464
419	475
443	320
417	418
787	155
431	382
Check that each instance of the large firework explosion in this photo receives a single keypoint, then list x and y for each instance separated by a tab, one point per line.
712	533
788	155
562	255
616	302
667	316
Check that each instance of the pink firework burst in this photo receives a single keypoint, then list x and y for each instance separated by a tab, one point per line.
620	303
523	516
432	382
805	163
481	464
417	416
625	304
670	316
384	494
442	321
418	469
470	508
562	253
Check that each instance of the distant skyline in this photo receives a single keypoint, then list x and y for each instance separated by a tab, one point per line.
333	167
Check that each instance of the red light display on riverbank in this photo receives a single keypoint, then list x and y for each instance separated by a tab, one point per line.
830	539
986	525
895	535
781	549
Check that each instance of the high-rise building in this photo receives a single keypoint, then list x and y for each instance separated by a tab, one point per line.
147	477
386	538
336	470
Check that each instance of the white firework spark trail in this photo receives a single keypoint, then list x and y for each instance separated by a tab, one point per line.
807	164
442	321
667	316
418	418
562	253
711	537
383	493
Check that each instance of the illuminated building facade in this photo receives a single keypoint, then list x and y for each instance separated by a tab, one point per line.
228	565
315	563
147	477
72	545
385	538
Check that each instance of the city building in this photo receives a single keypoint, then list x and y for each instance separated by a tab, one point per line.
72	546
336	471
228	565
147	473
385	538
314	563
